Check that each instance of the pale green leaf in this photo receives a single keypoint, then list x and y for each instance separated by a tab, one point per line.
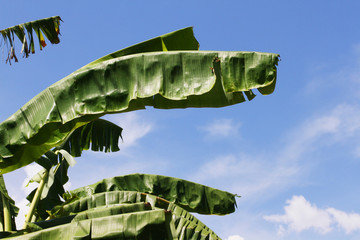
67	156
49	183
38	176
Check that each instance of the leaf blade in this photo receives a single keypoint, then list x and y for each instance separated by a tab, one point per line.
173	79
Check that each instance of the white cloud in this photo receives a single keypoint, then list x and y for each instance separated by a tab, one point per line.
220	167
20	197
23	210
265	172
300	215
340	124
221	128
247	175
235	237
30	171
349	222
134	128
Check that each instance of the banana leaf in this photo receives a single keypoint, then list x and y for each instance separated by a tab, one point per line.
184	225
138	225
10	208
171	79
54	193
37	124
25	33
102	135
191	196
134	216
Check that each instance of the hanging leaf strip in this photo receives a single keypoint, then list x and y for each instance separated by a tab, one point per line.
100	134
50	27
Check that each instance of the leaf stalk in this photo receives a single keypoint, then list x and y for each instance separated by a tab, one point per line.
35	199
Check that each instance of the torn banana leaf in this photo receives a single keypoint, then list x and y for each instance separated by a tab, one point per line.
172	79
99	135
191	196
36	132
111	224
50	27
121	214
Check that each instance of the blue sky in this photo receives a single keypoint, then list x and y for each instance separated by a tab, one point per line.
293	156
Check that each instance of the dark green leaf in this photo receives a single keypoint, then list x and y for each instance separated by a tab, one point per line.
163	80
100	134
191	196
42	130
54	194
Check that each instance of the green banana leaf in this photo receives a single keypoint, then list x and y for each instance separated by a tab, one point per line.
148	224
138	225
102	135
121	215
185	226
54	193
6	200
37	126
47	26
172	79
191	196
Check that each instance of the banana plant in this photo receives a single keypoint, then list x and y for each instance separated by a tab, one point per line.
136	206
8	210
50	27
132	79
164	72
98	135
44	28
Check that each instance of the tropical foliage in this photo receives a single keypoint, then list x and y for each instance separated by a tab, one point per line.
63	120
137	206
44	28
170	79
8	210
99	134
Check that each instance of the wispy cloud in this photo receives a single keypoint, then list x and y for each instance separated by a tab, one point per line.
221	128
301	215
339	84
252	174
338	124
247	175
134	128
235	237
349	222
